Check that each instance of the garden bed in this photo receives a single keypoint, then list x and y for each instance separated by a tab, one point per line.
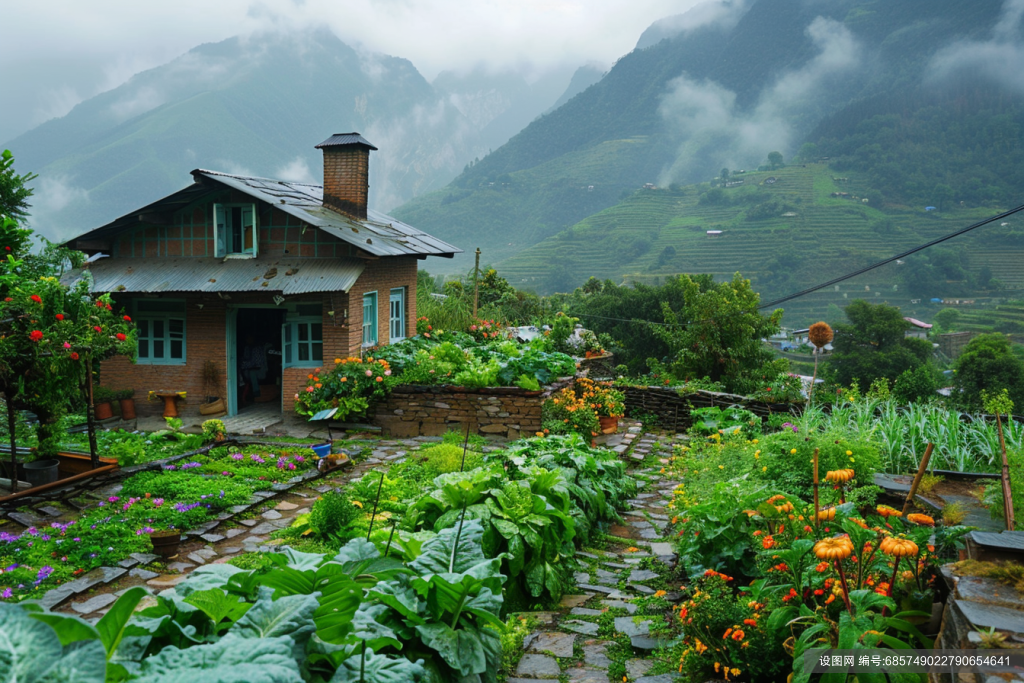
672	407
506	412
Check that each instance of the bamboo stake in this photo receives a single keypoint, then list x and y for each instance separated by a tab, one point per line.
476	282
1007	493
14	444
816	521
377	500
921	469
90	414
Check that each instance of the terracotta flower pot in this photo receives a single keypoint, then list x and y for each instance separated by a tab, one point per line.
127	408
104	411
609	424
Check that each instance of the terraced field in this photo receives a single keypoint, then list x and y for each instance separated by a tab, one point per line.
806	236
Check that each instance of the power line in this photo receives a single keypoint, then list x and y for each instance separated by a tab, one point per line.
833	281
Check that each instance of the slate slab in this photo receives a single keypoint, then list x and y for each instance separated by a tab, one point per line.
581	577
144	558
596	588
230	550
586	675
56	596
271	514
648	643
662	549
231	533
578	626
558	644
50	510
538	666
284	506
180	566
163	582
94	603
660	678
569	601
635	668
247	522
627	626
263	529
128	562
595	655
620	604
143	574
212	538
642	575
585	612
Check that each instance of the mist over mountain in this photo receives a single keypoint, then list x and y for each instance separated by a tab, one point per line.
258	105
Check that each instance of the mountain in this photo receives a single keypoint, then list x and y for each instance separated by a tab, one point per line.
258	105
911	96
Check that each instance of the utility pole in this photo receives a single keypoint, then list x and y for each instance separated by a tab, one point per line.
476	282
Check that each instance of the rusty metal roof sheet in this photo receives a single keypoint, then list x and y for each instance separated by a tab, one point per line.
379	234
287	276
345	139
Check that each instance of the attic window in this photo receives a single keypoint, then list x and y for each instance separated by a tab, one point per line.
235	230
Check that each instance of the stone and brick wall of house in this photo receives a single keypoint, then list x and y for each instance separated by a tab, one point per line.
206	334
505	412
673	408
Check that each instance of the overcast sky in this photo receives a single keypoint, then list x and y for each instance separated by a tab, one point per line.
55	53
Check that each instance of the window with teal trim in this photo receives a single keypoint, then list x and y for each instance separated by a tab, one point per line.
161	332
397	315
303	343
369	318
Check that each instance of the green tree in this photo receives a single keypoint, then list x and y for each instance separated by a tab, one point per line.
724	176
717	332
988	364
14	190
874	345
915	385
775	160
947	319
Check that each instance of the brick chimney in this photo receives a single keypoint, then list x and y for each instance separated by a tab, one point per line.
346	173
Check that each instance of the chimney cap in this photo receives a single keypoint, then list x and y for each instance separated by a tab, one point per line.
341	139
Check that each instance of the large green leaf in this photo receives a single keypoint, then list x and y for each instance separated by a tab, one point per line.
112	625
373	668
441	556
218	605
207	576
355	550
506	528
290	616
367	627
398	597
339	599
516	555
289	581
31	652
302	561
232	659
69	628
461	649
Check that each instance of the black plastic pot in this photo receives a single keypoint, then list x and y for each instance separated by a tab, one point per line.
41	472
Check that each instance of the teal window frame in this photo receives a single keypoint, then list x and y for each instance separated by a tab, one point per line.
159	330
302	336
370	336
223	229
396	314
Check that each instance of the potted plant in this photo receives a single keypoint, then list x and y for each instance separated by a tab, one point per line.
165	542
609	404
213	430
214	404
102	397
127	402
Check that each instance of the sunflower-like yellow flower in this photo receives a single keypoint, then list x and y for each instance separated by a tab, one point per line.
839	476
833	548
898	547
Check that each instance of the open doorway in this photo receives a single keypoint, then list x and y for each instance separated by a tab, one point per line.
258	356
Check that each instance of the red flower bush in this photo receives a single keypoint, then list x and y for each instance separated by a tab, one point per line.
38	299
60	316
35	335
98	329
120	336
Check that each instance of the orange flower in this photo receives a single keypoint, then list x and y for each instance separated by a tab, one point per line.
899	547
886	511
827	514
833	548
767	542
923	520
750	622
738	635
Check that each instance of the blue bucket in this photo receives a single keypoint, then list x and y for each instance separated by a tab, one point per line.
323	450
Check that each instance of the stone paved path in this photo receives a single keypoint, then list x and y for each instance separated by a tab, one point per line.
586	638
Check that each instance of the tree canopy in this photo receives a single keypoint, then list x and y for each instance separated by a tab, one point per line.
874	344
988	364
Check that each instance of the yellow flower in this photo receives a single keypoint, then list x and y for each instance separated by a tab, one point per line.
792	451
660	594
632	550
357	504
721	467
764	469
849	452
754	441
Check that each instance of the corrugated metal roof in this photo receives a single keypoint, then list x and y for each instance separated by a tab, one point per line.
379	234
288	276
345	139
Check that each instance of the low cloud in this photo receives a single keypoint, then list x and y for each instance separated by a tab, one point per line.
714	132
998	59
297	170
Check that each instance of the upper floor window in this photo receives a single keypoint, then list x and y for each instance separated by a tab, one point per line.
161	327
235	230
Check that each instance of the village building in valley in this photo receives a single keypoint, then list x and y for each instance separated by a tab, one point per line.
256	282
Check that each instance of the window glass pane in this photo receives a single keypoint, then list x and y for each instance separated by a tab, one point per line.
318	352
158	348
177	349
143	327
317	331
303	351
308	309
287	344
158	328
151	306
303	332
143	348
177	327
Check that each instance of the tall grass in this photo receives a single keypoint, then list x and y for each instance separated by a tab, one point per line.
963	442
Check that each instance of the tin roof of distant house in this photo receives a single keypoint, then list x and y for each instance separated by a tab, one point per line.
379	234
917	323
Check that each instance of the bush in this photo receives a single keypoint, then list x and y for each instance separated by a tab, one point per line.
128	453
331	514
786	459
444	458
915	385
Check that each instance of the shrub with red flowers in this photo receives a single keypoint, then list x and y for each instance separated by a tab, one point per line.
350	386
482	330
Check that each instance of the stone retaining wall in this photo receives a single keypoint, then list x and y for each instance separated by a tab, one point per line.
673	409
506	412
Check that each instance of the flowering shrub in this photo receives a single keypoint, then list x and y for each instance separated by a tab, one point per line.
566	412
349	386
603	400
482	330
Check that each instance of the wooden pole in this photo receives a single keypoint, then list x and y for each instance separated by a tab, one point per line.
14	444
90	414
816	521
1007	493
921	469
476	282
814	377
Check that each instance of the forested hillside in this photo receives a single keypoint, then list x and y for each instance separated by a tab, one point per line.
899	93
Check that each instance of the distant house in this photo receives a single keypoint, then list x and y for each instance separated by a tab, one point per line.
918	329
235	270
714	233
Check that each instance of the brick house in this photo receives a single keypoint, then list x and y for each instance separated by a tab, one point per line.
231	263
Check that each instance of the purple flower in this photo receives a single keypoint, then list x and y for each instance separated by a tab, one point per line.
7	594
169	467
237	456
76	539
221	493
113	499
791	426
157	502
43	574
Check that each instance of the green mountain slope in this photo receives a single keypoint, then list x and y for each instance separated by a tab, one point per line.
784	229
771	75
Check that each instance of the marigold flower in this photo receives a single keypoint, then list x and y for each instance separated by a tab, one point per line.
827	514
738	635
767	542
660	594
833	548
632	550
839	476
898	547
750	622
792	451
923	520
886	511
